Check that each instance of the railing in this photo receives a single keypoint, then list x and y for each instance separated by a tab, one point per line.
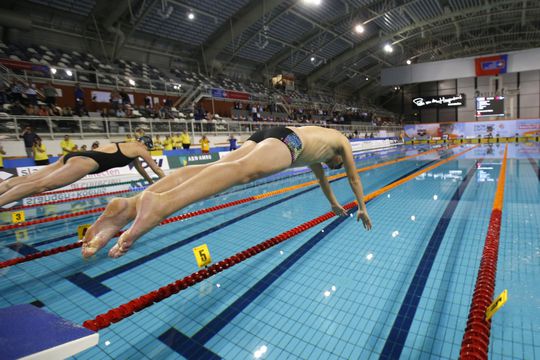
86	127
101	80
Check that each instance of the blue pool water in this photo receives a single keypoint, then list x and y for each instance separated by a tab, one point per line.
335	291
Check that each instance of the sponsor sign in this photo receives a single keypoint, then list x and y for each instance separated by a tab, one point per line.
162	162
24	65
493	128
226	94
444	101
491	65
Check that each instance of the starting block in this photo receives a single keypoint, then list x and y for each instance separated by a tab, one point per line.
33	333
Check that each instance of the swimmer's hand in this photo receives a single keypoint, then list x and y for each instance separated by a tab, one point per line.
363	215
339	210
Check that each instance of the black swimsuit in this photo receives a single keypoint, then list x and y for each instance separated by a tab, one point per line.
286	135
105	161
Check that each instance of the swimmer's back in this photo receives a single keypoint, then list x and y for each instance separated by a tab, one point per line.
319	144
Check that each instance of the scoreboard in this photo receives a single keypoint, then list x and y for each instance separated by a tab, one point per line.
490	106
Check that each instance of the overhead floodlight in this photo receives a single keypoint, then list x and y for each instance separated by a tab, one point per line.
131	82
367	78
191	15
313	2
312	59
388	48
359	28
53	71
68	72
409	62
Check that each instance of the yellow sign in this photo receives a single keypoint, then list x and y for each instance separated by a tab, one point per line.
202	255
21	235
496	304
82	229
17	217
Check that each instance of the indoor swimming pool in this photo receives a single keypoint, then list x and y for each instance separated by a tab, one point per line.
332	291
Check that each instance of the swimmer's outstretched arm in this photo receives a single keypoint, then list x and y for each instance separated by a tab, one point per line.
355	183
151	163
327	189
140	170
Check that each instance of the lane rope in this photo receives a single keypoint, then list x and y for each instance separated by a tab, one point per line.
475	342
191	214
125	310
92	211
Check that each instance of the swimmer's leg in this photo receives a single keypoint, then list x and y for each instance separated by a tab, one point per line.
266	158
45	171
61	176
120	211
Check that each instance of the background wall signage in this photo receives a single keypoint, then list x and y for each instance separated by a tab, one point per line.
442	101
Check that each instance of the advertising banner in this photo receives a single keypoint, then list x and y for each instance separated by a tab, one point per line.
162	162
226	94
491	65
443	101
493	128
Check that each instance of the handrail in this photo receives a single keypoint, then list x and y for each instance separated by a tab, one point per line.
47	126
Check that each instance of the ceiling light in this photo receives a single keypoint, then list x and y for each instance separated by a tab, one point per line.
312	59
409	61
388	48
359	28
131	82
191	15
53	71
313	2
367	78
68	72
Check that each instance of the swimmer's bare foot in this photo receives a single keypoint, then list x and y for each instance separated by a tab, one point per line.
118	213
149	215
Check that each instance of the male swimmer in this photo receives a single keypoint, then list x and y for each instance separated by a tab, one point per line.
266	152
75	166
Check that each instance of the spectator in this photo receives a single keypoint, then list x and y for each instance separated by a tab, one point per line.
115	101
177	141
232	143
95	145
16	91
139	133
17	109
129	138
168	143
43	111
50	95
186	140
40	152
84	148
125	97
66	145
79	100
205	145
158	144
75	148
31	95
2	153
29	138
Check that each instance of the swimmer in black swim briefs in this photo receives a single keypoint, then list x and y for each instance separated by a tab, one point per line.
75	166
264	153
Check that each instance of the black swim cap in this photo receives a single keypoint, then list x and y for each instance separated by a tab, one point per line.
146	140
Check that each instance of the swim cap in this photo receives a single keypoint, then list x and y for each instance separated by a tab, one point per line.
146	140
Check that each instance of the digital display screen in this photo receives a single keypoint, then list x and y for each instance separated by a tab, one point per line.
490	106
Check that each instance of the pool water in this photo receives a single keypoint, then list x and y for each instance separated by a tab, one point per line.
335	291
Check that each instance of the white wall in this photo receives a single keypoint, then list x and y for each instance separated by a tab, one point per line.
518	61
529	96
